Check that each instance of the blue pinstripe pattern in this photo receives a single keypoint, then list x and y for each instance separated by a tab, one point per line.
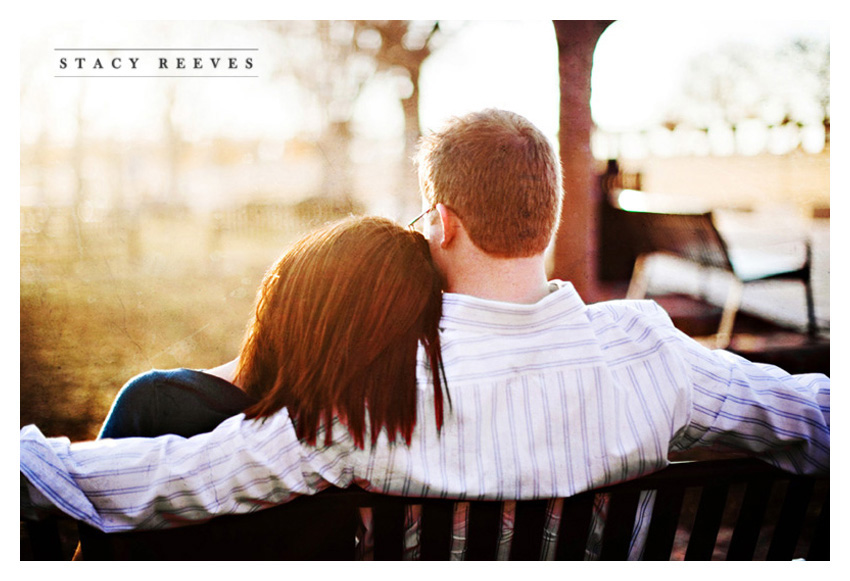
548	400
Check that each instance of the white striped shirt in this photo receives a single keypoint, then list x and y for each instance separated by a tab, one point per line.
547	400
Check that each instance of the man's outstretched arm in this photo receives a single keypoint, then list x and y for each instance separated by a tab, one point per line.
146	483
759	409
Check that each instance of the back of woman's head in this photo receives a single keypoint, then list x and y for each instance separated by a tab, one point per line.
338	322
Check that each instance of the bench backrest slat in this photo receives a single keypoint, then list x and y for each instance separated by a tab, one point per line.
662	528
619	523
435	540
707	522
750	518
576	516
389	531
483	528
819	547
787	531
762	513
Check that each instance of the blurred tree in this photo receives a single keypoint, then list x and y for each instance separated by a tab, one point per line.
576	244
333	60
809	63
322	56
400	47
174	144
785	86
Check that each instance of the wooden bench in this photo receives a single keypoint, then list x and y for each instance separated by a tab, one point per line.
694	238
738	509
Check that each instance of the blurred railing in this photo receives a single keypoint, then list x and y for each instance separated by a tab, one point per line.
70	235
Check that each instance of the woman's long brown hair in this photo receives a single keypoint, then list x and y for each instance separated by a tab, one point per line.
338	322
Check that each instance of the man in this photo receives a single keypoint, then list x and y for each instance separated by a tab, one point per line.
549	396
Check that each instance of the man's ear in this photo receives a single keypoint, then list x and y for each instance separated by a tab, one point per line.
449	225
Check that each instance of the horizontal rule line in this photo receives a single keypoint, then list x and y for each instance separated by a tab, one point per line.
156	49
156	76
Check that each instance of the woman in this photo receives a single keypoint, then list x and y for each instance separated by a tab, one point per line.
338	322
339	318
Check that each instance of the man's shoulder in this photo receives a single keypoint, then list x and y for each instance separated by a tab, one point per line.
621	310
629	316
647	306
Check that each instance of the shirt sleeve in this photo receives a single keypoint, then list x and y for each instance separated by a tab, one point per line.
147	483
756	408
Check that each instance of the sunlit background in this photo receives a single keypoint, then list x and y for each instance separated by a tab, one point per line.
151	206
697	89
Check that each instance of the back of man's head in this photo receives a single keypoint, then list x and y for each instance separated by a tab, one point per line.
500	175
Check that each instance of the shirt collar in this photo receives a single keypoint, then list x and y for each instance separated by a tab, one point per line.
465	312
